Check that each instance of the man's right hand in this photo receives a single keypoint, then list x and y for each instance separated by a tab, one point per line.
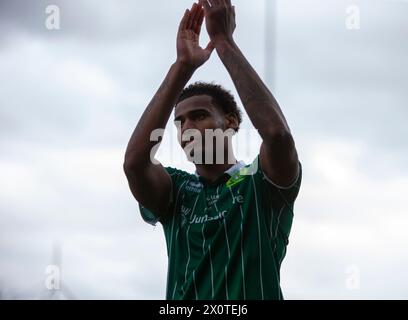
189	51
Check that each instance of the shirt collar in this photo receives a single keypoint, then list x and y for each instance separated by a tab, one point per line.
231	170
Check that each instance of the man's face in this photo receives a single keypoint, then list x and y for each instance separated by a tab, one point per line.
197	113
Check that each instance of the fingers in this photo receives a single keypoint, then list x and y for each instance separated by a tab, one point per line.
184	20
193	12
207	4
196	17
200	21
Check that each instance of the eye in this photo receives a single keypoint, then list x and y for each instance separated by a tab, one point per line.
200	116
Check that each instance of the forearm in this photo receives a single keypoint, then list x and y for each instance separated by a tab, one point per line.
157	114
262	108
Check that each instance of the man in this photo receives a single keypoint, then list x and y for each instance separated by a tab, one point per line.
227	225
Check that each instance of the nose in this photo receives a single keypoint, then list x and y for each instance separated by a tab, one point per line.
187	125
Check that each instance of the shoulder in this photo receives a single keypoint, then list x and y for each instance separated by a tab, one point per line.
176	172
289	193
180	179
178	175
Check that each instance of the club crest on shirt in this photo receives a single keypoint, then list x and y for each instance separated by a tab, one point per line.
236	178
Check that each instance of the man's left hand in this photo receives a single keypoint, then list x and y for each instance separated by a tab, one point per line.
220	20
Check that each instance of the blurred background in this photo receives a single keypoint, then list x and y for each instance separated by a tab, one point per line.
70	98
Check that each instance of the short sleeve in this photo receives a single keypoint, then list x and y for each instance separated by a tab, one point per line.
278	203
177	177
288	193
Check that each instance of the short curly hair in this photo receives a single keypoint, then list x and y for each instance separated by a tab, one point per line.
222	98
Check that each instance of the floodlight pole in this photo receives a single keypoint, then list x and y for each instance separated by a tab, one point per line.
270	43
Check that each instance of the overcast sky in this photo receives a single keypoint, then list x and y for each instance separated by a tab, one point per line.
70	98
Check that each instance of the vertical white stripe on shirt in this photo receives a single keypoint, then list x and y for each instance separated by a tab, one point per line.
226	236
242	253
232	195
229	257
171	234
215	202
276	241
195	287
259	237
278	221
212	271
271	226
275	247
188	249
188	240
174	212
228	247
226	282
202	232
174	291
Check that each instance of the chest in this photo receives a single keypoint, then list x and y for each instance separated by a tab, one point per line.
211	205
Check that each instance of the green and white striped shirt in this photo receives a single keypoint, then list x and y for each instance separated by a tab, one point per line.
227	239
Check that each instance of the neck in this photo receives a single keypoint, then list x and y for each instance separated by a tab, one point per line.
213	171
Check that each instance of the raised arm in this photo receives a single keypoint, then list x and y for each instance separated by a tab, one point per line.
150	183
278	154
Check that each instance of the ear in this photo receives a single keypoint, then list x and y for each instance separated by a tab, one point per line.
231	121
